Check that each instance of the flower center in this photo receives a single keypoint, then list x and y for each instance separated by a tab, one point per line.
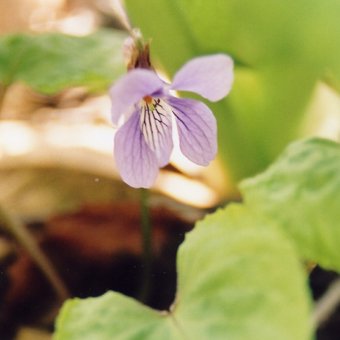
147	99
148	102
155	122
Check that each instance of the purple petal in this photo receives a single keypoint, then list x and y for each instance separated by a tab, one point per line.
136	162
197	129
156	125
166	148
209	76
130	88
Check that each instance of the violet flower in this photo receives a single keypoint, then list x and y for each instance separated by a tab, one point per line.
144	142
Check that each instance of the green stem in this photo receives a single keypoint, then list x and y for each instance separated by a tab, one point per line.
14	225
146	230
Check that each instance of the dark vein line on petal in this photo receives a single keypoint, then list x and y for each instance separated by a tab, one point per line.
197	140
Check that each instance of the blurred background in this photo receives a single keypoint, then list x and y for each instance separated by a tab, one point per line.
57	173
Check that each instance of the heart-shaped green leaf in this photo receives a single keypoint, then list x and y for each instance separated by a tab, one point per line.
238	279
301	191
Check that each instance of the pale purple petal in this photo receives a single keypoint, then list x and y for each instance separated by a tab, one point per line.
136	162
156	126
167	146
197	129
209	76
130	88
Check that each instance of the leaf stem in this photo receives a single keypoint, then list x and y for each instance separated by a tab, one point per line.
146	230
14	225
327	304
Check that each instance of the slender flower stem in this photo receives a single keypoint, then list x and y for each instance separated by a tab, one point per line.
13	224
146	230
120	13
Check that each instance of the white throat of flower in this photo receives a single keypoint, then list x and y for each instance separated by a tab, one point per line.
155	122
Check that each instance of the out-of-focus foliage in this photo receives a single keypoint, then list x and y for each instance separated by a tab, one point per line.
301	191
229	286
281	49
52	62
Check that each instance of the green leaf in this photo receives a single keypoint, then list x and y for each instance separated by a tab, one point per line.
52	62
112	316
301	191
238	279
281	49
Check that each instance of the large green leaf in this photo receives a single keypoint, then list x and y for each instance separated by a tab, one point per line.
281	49
112	316
301	191
52	62
238	279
